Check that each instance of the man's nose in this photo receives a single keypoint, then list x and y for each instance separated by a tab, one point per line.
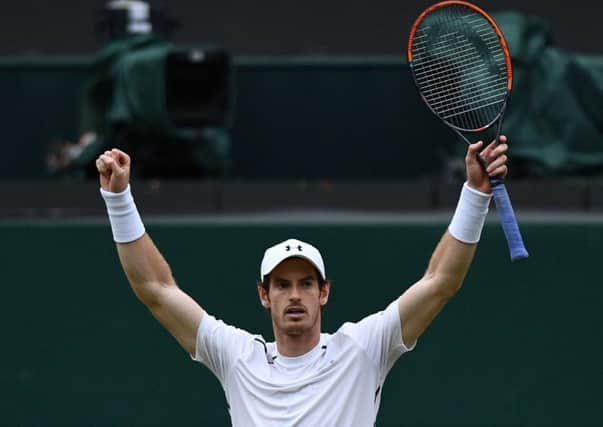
295	294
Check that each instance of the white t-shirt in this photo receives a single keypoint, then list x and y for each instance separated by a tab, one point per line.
337	383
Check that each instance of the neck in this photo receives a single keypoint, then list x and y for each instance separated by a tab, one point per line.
293	345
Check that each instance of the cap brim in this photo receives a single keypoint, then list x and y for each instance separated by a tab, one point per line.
274	263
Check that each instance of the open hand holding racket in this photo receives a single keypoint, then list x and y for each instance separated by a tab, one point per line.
461	65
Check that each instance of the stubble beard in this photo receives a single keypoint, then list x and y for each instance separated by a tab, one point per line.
296	329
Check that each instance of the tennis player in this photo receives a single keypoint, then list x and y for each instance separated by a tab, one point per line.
305	377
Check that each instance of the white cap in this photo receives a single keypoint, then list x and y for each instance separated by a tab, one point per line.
287	249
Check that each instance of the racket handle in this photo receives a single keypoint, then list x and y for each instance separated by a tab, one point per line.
507	218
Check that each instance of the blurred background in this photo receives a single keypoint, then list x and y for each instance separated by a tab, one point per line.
248	124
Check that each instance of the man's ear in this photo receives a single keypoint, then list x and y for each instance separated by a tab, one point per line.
264	298
325	291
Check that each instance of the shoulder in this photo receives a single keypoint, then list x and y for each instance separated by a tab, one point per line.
211	325
388	318
218	335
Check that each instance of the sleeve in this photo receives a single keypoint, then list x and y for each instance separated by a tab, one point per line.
380	336
219	345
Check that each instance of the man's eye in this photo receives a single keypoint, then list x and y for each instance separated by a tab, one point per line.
307	284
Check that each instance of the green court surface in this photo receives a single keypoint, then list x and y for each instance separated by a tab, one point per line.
521	344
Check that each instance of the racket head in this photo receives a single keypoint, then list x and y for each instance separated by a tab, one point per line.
461	65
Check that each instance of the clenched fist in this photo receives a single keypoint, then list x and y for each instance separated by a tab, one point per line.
114	169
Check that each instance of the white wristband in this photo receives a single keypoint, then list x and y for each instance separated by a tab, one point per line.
126	224
470	215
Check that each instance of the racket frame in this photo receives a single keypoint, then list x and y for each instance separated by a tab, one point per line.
505	50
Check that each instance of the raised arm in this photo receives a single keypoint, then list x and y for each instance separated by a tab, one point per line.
146	269
451	259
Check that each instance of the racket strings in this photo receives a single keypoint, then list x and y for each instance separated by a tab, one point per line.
460	67
461	59
444	45
478	93
438	93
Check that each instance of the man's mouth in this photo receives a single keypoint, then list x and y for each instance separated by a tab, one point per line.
295	311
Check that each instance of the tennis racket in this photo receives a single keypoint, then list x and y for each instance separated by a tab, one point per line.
461	66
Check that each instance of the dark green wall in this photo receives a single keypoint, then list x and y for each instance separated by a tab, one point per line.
39	104
520	345
340	118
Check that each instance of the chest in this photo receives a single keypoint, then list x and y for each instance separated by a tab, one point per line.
343	369
331	391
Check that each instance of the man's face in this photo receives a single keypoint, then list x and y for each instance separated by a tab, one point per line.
294	298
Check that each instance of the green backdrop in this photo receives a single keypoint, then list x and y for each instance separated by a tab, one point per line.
520	345
339	118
